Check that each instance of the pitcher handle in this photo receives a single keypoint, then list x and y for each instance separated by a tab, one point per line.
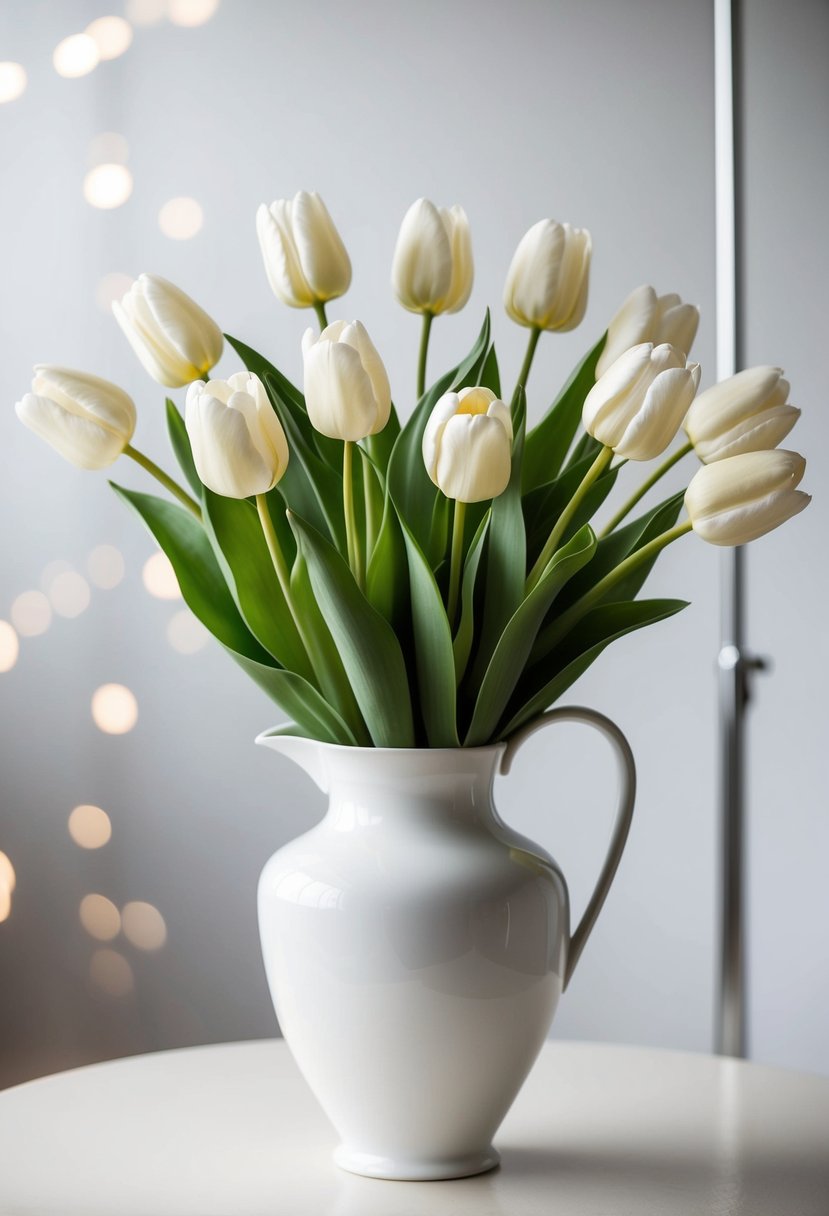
624	812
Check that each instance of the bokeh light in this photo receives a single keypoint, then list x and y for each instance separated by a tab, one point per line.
107	186
111	35
9	646
181	218
8	881
109	147
159	577
69	594
51	571
112	287
185	633
13	80
76	56
90	827
105	566
100	917
191	12
114	709
145	12
31	614
143	925
111	972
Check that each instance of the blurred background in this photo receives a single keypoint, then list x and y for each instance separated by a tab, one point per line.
136	813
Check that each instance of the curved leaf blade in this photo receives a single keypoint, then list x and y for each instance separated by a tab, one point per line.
549	441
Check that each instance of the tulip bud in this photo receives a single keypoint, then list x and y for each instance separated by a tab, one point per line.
739	498
432	267
175	339
239	446
347	391
745	413
547	281
637	406
88	420
305	259
647	317
467	445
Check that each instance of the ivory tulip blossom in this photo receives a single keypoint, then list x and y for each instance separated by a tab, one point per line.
467	445
239	446
745	413
88	420
646	317
305	259
738	498
175	340
432	269
637	406
347	390
547	281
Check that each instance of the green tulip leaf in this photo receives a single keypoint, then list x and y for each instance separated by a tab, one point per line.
490	376
369	649
381	445
462	643
386	577
549	441
180	443
543	506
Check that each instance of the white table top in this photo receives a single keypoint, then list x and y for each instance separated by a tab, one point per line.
233	1131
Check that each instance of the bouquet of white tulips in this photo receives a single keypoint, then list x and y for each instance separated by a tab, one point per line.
436	582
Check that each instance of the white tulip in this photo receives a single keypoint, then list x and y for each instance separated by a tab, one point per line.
432	268
467	445
637	406
305	259
239	446
547	281
647	317
175	339
745	413
347	391
739	498
88	420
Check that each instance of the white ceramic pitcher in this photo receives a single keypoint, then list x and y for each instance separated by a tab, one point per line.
416	947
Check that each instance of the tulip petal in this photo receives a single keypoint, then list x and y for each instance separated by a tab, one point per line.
88	396
445	408
630	326
338	392
326	266
226	458
731	402
746	523
761	433
185	326
280	256
657	421
460	240
421	273
474	458
85	443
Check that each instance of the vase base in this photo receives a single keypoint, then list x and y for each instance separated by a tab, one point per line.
427	1169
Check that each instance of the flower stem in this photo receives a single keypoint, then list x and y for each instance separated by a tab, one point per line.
355	559
552	635
372	522
421	359
524	374
319	309
456	562
283	574
167	481
645	486
565	519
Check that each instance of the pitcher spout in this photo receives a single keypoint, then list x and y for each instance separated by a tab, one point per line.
307	753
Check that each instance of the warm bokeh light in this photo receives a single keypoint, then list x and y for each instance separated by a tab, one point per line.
5	902
31	614
107	186
100	917
143	925
111	35
159	577
9	646
12	80
114	709
181	218
191	12
111	972
90	827
145	12
105	566
76	56
51	571
7	874
109	147
69	594
185	633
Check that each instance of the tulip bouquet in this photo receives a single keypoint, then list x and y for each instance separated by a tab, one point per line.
434	582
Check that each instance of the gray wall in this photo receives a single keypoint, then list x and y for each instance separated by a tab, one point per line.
600	113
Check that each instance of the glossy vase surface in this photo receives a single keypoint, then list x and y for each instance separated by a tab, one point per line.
416	948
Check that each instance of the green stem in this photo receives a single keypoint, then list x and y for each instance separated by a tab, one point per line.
319	309
456	562
421	359
283	574
167	481
645	486
565	519
559	628
355	560
524	374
